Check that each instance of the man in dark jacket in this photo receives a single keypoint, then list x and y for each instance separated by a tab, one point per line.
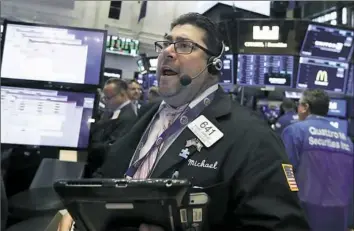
197	133
118	117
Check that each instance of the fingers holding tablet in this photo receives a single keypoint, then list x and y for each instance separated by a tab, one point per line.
65	223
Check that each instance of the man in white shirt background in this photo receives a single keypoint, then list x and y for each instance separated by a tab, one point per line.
134	93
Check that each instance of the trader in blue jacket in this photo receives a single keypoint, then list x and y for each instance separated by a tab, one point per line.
290	116
322	157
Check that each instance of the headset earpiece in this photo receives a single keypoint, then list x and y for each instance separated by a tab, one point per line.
215	63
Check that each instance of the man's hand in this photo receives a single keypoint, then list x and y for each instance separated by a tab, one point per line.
145	227
65	223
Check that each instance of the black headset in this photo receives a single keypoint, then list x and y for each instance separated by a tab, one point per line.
215	63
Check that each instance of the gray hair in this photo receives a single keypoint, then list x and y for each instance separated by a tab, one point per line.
318	101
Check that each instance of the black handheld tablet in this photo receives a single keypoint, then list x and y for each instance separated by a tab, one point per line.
114	204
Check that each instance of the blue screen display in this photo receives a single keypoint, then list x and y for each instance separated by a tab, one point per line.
338	108
323	74
328	42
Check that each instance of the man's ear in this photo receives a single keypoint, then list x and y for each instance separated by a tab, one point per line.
307	107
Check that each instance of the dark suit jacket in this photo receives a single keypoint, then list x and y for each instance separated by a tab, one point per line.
248	188
104	133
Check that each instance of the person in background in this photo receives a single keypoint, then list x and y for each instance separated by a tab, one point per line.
153	95
290	116
234	156
322	157
117	118
134	93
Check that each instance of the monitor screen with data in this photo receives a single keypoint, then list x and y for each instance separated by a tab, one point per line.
323	74
45	117
112	73
227	80
337	108
265	70
152	63
52	54
328	42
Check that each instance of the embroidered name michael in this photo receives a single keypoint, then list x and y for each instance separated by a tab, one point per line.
202	164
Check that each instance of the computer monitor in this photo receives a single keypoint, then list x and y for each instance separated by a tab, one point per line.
51	53
265	70
112	73
323	74
350	84
141	66
39	117
152	63
227	80
341	124
293	94
328	42
337	108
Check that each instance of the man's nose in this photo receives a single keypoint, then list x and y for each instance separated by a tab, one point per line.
170	52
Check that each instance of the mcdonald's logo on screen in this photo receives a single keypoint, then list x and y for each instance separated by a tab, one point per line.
321	78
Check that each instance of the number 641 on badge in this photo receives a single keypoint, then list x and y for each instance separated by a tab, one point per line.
205	131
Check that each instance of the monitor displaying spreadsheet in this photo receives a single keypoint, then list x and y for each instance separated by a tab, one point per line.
265	70
53	54
227	78
45	117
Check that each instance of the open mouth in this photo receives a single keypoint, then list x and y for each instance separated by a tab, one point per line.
168	72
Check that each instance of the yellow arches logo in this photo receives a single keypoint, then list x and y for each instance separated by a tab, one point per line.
321	78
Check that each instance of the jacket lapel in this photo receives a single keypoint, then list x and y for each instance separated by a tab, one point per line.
220	106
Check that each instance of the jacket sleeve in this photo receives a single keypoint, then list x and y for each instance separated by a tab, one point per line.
261	193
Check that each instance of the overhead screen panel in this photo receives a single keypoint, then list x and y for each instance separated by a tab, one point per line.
272	36
52	54
323	74
45	117
265	70
328	42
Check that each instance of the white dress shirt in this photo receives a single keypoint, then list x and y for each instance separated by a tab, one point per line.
165	116
117	111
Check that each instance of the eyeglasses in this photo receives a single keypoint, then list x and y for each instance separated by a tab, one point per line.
106	98
181	47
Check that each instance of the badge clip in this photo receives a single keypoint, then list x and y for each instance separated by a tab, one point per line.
195	143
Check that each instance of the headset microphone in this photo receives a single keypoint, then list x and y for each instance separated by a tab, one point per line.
185	80
214	66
